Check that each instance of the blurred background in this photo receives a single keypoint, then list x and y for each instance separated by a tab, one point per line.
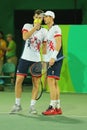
71	16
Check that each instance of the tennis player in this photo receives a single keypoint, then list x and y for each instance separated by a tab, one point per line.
34	36
54	51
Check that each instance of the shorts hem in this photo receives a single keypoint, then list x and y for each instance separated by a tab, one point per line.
52	76
21	74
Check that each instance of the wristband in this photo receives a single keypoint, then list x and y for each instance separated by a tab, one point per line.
55	53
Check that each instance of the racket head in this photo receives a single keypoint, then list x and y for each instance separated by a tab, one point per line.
36	69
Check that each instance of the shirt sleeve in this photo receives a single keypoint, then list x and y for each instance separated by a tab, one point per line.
57	31
26	27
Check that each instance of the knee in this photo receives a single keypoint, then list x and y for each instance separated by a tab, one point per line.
35	85
19	81
35	80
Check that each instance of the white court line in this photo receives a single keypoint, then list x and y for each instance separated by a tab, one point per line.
4	112
76	116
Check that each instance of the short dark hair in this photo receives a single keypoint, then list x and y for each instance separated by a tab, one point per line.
38	11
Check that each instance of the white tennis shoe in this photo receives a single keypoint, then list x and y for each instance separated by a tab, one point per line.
32	110
16	108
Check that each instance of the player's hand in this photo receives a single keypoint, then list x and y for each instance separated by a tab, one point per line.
37	25
51	62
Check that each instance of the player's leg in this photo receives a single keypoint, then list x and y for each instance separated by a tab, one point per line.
58	105
18	87
35	81
21	73
52	106
58	67
18	91
53	76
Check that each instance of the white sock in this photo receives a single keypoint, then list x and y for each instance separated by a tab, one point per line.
33	102
17	101
58	103
53	103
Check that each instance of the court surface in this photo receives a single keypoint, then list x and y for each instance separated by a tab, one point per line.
74	115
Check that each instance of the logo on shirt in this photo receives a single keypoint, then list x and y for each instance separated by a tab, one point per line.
50	45
34	43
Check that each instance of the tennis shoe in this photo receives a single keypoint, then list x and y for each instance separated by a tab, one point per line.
32	110
16	108
59	111
50	111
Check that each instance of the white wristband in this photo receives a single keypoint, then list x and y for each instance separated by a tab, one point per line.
54	55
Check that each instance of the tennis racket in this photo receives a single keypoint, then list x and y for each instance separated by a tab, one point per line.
40	68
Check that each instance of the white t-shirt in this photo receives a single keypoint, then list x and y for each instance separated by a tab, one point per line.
53	32
31	50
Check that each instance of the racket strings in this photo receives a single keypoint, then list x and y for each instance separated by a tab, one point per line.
37	68
40	68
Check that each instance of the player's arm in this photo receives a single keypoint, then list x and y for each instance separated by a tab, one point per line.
58	43
56	51
27	34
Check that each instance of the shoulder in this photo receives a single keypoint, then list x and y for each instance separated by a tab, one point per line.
27	25
56	27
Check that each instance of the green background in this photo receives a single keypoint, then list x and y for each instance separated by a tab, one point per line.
74	70
73	77
8	7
